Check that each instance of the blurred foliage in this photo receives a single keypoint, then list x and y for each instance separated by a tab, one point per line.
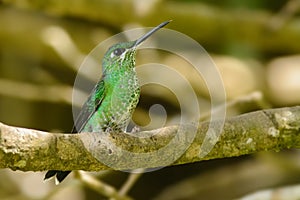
44	42
247	4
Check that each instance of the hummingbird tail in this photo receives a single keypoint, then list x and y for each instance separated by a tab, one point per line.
59	175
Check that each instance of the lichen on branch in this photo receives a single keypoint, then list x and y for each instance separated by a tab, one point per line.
32	150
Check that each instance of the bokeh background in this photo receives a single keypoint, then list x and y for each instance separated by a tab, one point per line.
255	45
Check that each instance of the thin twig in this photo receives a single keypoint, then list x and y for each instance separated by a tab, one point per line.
131	180
99	186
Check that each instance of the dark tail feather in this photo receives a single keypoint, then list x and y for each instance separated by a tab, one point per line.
49	174
60	175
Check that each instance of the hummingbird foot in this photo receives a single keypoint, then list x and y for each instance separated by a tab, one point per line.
135	129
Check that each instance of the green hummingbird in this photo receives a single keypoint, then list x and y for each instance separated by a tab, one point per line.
111	103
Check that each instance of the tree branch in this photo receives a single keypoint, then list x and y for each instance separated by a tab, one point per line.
33	150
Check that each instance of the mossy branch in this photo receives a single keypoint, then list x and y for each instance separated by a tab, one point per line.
32	150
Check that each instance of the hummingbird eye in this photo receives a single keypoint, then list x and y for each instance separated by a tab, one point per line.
119	51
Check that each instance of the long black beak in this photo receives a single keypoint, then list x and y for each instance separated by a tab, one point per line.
144	37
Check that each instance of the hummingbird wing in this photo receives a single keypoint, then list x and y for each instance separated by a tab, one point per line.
90	106
88	109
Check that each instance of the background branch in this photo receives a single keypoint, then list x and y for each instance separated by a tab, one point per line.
252	27
32	150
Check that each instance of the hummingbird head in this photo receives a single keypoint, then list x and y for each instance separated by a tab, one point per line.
122	55
119	56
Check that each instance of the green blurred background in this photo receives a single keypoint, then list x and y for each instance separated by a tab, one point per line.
255	45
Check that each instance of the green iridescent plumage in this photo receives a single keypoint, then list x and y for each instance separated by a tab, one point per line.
114	98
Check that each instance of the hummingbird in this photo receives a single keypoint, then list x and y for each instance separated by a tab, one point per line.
112	101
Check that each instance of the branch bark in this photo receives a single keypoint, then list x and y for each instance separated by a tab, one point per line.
32	150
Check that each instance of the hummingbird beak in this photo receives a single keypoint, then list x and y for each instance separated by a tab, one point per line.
144	37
